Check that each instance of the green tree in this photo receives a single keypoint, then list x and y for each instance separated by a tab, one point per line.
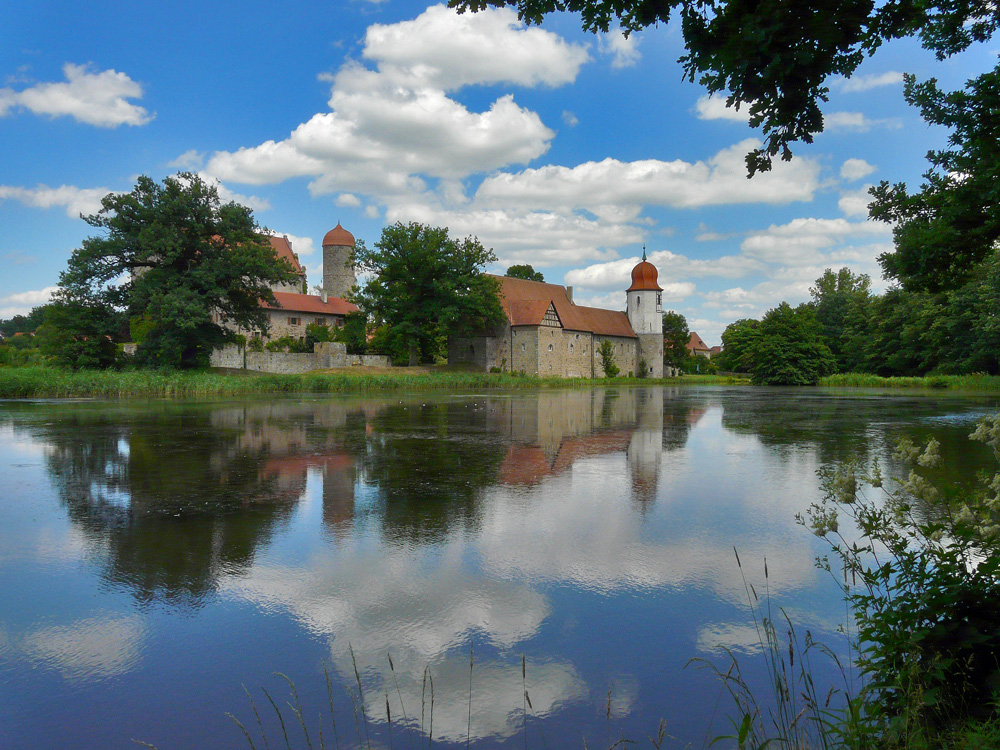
79	333
607	352
23	323
738	341
789	348
354	333
675	339
190	262
840	299
524	271
774	57
943	231
424	287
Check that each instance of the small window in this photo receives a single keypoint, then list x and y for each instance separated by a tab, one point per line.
571	347
294	321
321	321
659	298
550	347
522	347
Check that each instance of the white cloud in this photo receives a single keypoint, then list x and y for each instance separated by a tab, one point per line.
615	275
446	50
190	159
800	241
570	119
866	82
713	107
624	51
348	200
856	121
372	212
96	98
389	126
718	180
73	200
20	303
855	202
855	169
226	195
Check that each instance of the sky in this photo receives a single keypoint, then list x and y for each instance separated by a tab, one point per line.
565	150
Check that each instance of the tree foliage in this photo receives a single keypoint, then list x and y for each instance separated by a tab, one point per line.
839	298
179	257
424	287
23	323
675	339
774	57
524	271
738	341
943	231
607	353
789	348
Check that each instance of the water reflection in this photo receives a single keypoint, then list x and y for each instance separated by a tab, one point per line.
589	529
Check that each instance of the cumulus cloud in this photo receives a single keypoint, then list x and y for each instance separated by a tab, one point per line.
856	121
21	303
190	159
348	200
718	180
73	200
713	107
866	82
96	98
393	125
570	119
855	169
615	275
799	242
623	50
855	202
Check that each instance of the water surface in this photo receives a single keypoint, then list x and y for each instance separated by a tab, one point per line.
156	558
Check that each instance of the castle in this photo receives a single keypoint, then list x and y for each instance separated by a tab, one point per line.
546	333
296	309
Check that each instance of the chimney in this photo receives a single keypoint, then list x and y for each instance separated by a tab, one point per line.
322	296
569	293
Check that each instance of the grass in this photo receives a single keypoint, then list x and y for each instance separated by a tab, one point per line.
56	382
973	382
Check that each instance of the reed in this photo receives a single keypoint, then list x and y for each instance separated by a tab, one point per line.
972	382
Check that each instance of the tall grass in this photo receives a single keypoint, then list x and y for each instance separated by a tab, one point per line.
973	382
56	382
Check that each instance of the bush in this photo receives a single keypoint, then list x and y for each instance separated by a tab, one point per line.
607	352
928	600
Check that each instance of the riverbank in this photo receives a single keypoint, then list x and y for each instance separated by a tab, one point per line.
975	382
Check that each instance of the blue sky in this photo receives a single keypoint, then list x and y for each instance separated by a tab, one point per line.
561	149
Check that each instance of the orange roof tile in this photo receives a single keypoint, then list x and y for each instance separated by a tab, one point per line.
283	249
525	303
312	303
696	344
338	236
644	277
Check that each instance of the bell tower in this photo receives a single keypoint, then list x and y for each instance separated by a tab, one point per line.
644	307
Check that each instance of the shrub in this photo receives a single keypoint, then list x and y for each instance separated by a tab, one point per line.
928	599
607	352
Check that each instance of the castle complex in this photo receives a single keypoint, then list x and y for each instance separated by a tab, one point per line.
545	333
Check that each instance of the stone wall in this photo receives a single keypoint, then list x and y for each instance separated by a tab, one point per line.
324	356
626	355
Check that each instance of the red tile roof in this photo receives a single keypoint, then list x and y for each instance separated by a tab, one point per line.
283	249
338	236
696	344
644	277
525	303
311	303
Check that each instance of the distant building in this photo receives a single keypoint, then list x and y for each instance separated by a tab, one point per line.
296	309
697	347
546	333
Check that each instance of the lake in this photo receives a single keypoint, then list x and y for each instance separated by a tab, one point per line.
157	558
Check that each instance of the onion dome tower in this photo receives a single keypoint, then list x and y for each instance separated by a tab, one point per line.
338	271
645	313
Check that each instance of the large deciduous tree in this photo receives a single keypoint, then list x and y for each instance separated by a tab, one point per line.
789	348
774	57
675	339
423	287
840	299
176	256
524	271
738	342
943	231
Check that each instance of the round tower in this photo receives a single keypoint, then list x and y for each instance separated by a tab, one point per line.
338	272
644	308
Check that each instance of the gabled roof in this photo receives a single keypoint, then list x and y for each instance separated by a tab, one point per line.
525	303
311	303
696	344
283	249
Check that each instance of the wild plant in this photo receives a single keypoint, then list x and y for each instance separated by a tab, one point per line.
923	583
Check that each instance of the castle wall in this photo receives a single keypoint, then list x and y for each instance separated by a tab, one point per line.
324	356
651	350
625	356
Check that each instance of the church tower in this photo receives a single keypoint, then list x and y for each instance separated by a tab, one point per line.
338	273
645	314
